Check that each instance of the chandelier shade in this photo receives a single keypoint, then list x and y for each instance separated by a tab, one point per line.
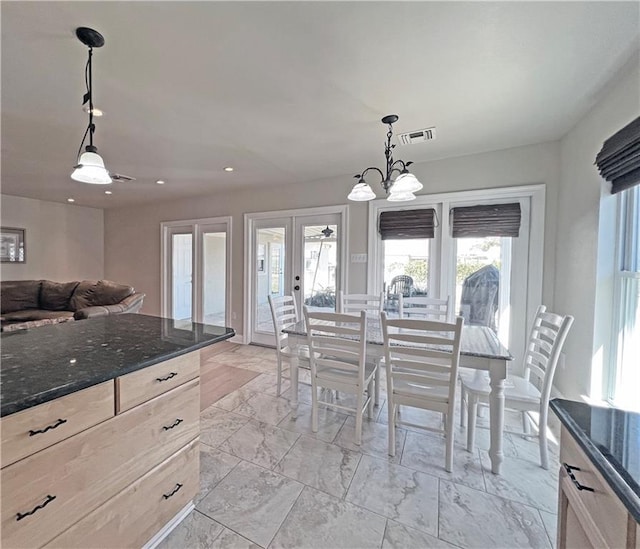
398	184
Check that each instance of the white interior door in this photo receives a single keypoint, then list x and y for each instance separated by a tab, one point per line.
180	244
299	254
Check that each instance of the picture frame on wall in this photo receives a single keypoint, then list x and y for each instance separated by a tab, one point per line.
13	248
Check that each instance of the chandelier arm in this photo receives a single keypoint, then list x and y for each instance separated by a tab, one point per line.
92	128
82	143
373	168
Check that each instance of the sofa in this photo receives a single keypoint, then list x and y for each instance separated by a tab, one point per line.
32	303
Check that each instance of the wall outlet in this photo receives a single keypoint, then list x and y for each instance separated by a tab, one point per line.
358	258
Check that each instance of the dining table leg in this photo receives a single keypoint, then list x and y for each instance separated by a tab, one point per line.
497	375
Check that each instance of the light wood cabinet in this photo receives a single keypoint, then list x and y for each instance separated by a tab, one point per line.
589	512
46	493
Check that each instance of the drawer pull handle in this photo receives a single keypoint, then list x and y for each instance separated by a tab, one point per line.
177	422
46	502
172	374
48	428
167	496
569	469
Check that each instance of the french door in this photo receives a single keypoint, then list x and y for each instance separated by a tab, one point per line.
301	253
197	270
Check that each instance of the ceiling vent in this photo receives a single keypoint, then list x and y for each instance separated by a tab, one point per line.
417	136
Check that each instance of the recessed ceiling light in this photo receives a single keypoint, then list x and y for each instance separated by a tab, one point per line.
228	169
96	110
160	182
108	192
71	200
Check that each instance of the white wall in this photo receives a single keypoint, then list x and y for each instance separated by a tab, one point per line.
132	235
586	237
63	242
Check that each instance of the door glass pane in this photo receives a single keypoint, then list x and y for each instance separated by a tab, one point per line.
181	265
406	270
320	253
481	269
214	255
270	262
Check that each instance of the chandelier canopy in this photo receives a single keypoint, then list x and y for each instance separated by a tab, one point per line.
398	184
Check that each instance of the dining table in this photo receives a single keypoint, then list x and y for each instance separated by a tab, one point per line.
480	349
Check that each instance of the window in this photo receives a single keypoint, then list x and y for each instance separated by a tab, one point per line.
626	337
498	230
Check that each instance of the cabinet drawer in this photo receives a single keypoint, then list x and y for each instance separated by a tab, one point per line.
27	432
44	494
601	513
138	387
135	515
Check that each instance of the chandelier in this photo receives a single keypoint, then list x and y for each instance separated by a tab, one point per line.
400	189
90	166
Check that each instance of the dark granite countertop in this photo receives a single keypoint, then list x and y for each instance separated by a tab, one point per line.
611	440
44	363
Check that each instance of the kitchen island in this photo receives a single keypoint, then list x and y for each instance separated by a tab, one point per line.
100	426
599	504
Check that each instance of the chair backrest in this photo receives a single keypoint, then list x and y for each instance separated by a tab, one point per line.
284	313
337	340
424	353
429	308
354	303
546	339
401	285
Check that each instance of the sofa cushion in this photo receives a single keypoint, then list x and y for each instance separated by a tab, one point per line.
55	296
101	292
17	295
35	314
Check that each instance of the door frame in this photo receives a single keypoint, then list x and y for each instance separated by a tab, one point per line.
196	294
249	251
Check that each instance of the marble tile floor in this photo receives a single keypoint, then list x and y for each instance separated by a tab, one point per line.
267	481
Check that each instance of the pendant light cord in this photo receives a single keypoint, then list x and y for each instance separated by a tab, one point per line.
88	95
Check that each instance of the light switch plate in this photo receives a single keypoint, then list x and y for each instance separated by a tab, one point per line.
358	258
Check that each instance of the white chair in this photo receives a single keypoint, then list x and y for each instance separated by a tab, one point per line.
284	313
524	393
422	359
429	308
337	352
354	303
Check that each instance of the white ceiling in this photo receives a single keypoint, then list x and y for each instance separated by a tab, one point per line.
290	92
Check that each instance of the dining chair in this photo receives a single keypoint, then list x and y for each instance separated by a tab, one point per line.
284	313
337	353
421	357
529	392
372	304
429	308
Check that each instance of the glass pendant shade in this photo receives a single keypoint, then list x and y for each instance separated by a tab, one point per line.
406	183
400	196
361	192
90	169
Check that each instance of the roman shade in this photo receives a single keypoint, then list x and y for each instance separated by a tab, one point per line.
486	220
406	224
619	159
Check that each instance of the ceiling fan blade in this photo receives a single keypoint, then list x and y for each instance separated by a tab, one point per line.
121	177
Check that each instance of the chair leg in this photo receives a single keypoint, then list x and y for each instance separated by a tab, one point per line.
359	414
314	407
392	428
542	434
449	442
279	375
377	383
370	390
463	398
526	424
472	410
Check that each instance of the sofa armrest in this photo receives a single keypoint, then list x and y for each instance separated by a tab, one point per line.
131	304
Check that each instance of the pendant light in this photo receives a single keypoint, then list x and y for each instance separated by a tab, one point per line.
90	167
